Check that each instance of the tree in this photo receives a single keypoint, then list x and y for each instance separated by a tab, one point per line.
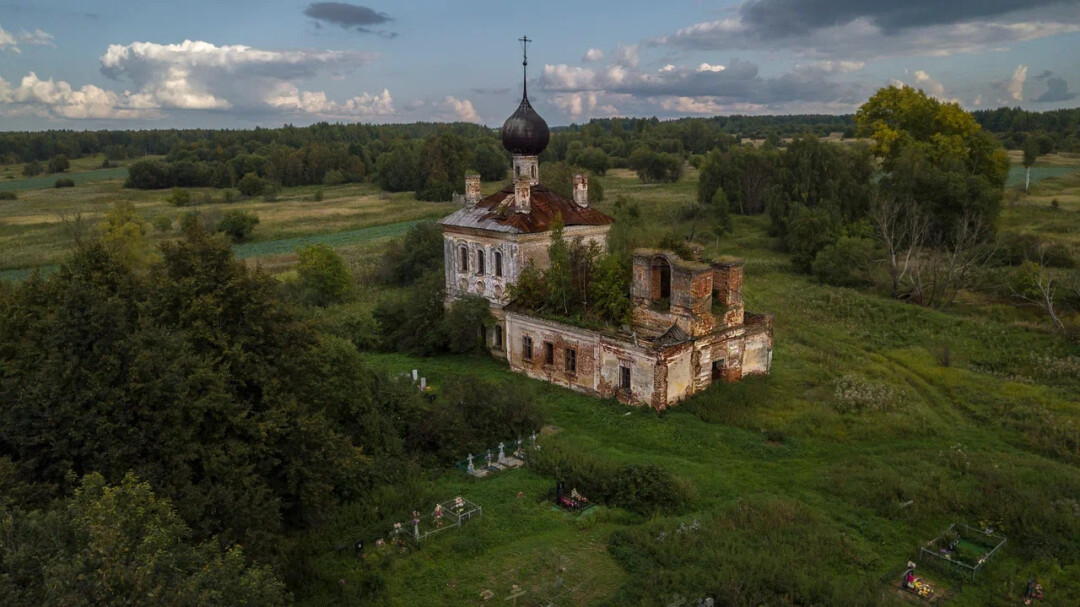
1031	153
250	185
490	162
901	228
410	258
444	159
559	178
237	225
32	168
1033	284
59	164
466	323
399	169
124	234
323	276
559	276
179	197
610	289
937	154
122	545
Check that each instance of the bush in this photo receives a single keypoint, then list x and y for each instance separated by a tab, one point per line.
9	195
323	277
230	195
64	183
59	164
250	185
179	197
237	225
270	191
162	223
845	263
333	177
410	258
466	324
318	196
32	168
413	324
644	489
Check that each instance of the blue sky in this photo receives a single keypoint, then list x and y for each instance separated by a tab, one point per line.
242	63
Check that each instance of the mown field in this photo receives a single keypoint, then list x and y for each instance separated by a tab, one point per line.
881	424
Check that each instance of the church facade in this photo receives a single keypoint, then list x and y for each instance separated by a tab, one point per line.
689	327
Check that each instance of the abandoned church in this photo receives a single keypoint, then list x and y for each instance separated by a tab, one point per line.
689	327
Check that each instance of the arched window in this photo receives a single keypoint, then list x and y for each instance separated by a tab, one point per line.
660	283
517	170
498	263
463	264
534	171
480	261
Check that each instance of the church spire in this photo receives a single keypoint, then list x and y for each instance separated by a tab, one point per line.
524	40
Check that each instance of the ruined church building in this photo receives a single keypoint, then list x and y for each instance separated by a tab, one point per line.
689	327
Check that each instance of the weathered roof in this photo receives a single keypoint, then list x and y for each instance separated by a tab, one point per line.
496	213
672	337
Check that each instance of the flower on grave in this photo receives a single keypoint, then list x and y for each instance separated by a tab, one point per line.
379	542
416	517
662	536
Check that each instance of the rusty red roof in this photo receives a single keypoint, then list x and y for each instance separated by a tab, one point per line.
496	212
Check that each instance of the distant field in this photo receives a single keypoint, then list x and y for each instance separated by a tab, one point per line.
1038	173
48	181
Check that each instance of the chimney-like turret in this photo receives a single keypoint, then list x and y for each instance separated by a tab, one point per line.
472	189
522	195
581	190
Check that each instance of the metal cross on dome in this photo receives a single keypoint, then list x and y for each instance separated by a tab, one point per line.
524	40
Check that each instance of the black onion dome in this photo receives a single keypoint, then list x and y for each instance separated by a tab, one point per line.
525	133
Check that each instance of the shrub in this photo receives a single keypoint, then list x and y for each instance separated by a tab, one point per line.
318	196
322	275
179	197
162	223
237	225
466	324
9	195
410	258
270	191
59	164
205	198
333	177
250	185
64	183
230	195
32	168
845	263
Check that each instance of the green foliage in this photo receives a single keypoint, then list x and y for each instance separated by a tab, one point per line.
653	167
466	324
399	168
9	195
124	234
592	159
64	183
322	276
237	224
250	185
318	195
490	162
531	290
845	263
1031	150
333	177
270	191
32	168
122	545
559	178
190	373
443	162
409	258
559	275
610	289
645	489
744	172
162	223
179	197
59	164
413	323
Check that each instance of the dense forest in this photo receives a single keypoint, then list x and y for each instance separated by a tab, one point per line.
431	159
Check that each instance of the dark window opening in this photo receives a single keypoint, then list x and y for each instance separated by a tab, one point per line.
718	368
571	360
498	336
479	262
526	348
498	263
660	282
534	171
517	170
549	353
463	264
624	378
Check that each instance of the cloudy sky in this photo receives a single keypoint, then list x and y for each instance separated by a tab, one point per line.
240	63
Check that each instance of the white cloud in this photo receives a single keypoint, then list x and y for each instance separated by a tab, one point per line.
584	105
1015	87
11	42
290	98
463	108
668	68
705	67
928	84
626	55
59	99
197	75
710	106
593	55
838	67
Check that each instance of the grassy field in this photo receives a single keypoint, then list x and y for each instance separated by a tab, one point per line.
970	417
965	416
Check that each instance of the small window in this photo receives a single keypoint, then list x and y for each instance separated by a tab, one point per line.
498	336
534	171
571	360
624	378
498	263
549	353
526	347
480	262
517	170
463	264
